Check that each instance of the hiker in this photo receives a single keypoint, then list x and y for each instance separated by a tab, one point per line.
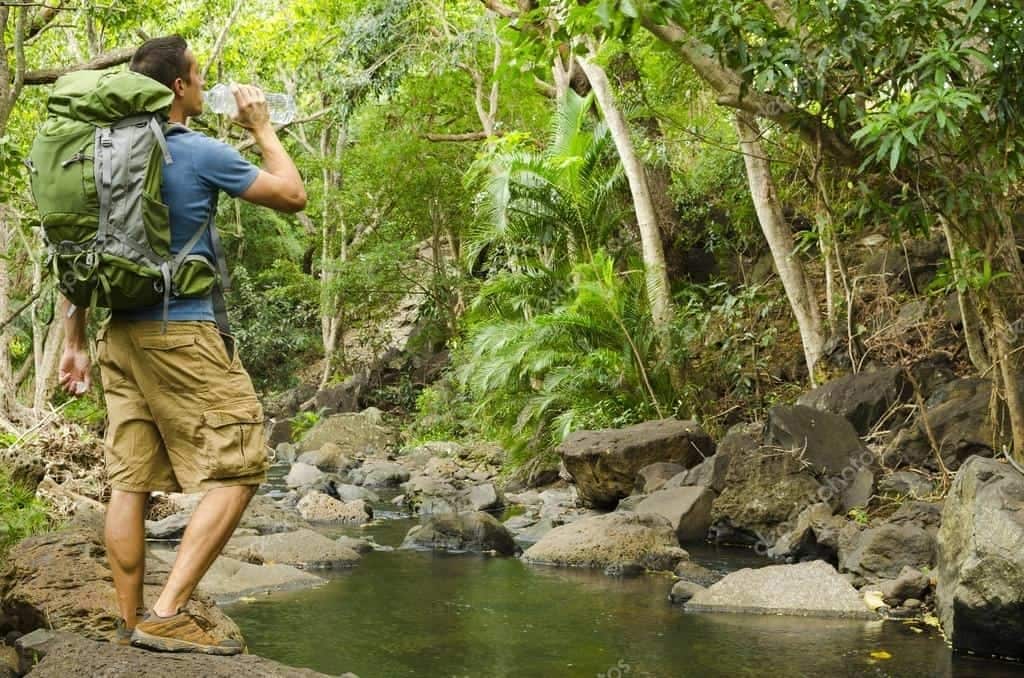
183	414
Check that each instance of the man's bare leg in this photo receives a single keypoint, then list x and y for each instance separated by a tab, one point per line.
125	535
209	529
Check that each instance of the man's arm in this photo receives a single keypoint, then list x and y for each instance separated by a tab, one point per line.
278	185
75	369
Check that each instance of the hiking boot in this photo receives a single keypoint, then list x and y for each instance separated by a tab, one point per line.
123	634
180	633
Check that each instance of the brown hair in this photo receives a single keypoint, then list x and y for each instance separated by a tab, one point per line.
163	59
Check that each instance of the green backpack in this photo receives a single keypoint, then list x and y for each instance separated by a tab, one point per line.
95	169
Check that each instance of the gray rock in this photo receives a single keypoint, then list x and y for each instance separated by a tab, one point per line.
682	591
484	497
319	507
349	492
229	579
859	490
811	589
57	654
303	475
379	473
688	509
882	552
862	398
330	457
278	431
357	434
815	535
285	452
631	502
959	417
923	514
911	583
762	496
604	464
266	516
303	548
907	483
653	476
171	527
598	541
710	473
826	441
535	532
479	531
980	591
687	570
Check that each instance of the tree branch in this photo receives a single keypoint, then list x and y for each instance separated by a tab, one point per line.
45	76
467	136
734	93
500	9
250	142
222	39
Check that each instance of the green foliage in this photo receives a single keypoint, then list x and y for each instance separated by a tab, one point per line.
21	514
586	363
302	423
273	316
443	412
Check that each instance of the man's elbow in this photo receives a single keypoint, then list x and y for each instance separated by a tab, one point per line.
296	201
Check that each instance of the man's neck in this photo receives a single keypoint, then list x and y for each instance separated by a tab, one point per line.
177	114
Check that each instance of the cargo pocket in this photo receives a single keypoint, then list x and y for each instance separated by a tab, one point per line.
174	361
233	440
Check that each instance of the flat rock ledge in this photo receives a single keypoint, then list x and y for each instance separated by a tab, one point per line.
61	654
811	589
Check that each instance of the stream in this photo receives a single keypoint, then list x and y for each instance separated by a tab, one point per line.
417	613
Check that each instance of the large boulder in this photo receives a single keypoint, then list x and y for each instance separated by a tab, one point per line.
811	589
688	509
981	560
762	496
229	579
610	539
604	463
303	548
477	531
862	398
61	580
825	441
330	457
320	507
959	417
58	654
362	434
882	552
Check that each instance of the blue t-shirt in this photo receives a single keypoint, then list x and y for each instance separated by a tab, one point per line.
202	167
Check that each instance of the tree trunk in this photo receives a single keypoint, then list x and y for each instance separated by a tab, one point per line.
7	386
659	292
780	240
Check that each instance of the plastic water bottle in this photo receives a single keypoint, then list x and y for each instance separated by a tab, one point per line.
221	100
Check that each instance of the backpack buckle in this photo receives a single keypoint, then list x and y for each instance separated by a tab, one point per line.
158	285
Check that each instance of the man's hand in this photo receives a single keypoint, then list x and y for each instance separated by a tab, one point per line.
75	372
252	113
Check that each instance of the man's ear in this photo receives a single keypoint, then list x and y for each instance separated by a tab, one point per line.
178	86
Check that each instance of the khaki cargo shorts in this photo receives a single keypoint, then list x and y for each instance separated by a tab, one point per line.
183	415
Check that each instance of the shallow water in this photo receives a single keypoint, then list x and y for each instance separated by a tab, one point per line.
414	613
